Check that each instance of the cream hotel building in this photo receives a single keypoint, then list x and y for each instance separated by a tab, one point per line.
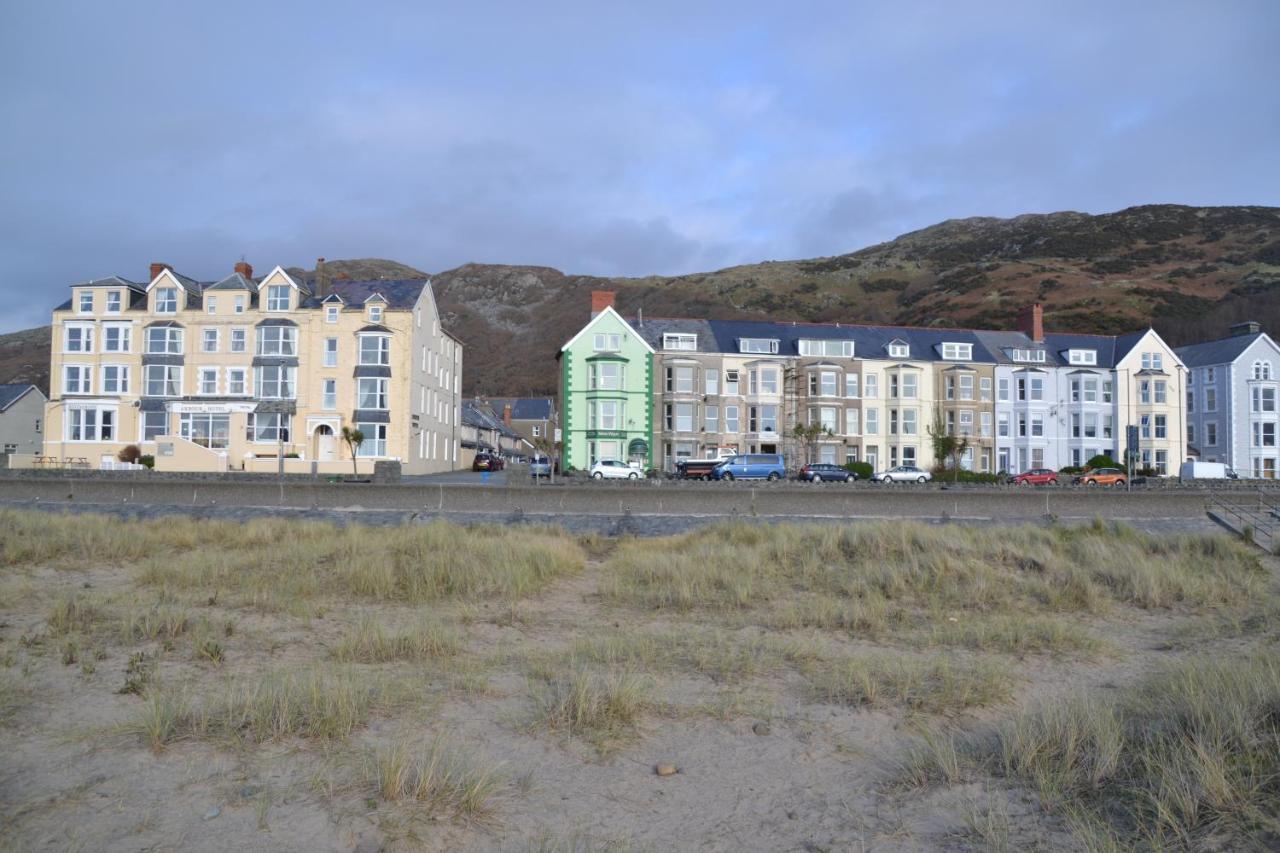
239	373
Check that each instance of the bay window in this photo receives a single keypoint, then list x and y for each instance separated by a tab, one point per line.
375	350
275	382
277	340
270	427
371	393
162	380
375	440
164	340
90	423
207	430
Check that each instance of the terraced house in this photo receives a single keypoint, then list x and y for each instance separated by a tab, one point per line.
253	374
1022	398
1232	411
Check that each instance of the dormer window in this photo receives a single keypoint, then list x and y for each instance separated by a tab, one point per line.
1082	356
86	302
1033	356
680	342
331	313
957	352
239	305
762	346
899	349
828	349
166	300
210	305
113	302
278	297
375	313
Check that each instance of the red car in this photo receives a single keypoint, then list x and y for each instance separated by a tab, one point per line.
1036	477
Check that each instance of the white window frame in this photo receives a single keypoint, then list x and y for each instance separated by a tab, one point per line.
81	298
242	344
680	341
172	340
1082	356
114	302
237	376
83	382
76	420
274	293
210	335
170	382
899	350
375	313
372	393
954	351
758	346
124	332
203	375
375	440
121	382
330	352
144	428
166	300
283	384
329	392
84	342
239	305
331	314
381	354
277	340
211	305
826	348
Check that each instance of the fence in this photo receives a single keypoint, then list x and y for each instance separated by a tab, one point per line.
1256	519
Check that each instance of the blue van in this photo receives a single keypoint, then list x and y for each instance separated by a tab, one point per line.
751	466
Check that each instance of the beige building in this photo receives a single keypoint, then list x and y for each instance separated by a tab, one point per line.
245	372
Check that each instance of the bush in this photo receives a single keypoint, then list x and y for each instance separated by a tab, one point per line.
951	475
862	469
1102	460
1070	469
129	453
148	460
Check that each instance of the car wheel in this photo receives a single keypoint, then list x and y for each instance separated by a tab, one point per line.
599	475
1091	482
1118	484
921	480
726	476
633	476
1053	482
1023	482
849	478
773	475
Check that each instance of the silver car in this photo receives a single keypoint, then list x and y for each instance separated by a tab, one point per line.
613	469
903	474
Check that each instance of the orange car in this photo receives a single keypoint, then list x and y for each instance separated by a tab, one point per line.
1101	477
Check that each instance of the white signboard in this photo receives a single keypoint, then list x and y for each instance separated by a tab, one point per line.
211	408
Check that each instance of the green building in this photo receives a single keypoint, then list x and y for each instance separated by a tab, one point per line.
606	382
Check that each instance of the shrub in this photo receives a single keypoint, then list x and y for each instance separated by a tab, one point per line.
1070	469
129	453
951	475
862	469
1102	460
147	459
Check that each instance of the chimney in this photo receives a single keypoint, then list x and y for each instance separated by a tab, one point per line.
244	269
1248	327
600	300
506	414
157	268
322	280
1031	322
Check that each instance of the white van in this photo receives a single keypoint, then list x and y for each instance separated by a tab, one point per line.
1193	470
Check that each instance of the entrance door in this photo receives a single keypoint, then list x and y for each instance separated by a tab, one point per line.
326	449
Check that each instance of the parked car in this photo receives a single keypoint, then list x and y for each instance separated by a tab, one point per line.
486	462
751	466
615	470
821	472
1101	477
1195	470
539	466
1036	477
903	474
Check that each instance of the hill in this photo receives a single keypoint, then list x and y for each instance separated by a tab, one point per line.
1189	271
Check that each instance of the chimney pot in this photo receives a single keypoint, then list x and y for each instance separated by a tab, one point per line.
600	300
506	414
1031	322
244	269
156	268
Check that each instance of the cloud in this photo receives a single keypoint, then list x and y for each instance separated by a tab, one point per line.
655	138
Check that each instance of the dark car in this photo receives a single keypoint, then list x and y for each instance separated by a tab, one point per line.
1036	477
822	472
486	462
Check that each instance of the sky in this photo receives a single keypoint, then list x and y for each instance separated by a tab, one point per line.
601	138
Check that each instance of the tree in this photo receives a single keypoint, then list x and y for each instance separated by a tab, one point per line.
946	444
353	438
808	436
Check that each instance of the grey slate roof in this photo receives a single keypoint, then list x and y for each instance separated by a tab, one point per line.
523	408
12	392
480	415
1223	351
401	294
235	281
989	346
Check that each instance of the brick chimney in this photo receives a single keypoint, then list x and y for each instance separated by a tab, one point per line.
157	268
244	269
600	300
506	414
322	280
1031	322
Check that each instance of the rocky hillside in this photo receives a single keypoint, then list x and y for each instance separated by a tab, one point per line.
1190	271
24	357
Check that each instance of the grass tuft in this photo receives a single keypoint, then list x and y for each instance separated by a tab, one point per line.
584	703
440	777
932	685
368	642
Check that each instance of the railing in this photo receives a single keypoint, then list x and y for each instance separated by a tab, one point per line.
1258	521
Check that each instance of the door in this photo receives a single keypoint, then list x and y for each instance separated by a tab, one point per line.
326	449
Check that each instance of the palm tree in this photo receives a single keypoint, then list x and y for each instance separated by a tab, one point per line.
353	438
